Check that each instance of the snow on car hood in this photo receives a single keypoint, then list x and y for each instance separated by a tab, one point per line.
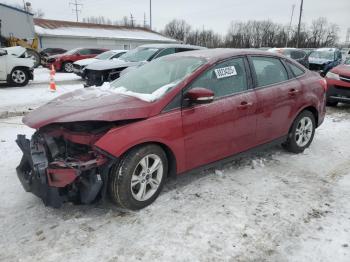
85	62
318	61
15	50
91	104
111	64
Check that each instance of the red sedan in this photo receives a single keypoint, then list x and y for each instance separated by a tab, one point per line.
178	113
338	80
64	62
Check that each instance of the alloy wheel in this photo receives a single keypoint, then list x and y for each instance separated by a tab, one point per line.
146	177
303	132
18	76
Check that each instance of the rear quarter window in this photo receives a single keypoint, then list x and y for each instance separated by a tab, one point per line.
297	71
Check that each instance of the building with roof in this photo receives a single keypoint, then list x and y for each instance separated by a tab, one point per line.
69	35
16	22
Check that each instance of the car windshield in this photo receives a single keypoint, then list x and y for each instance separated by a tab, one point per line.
105	55
71	52
151	81
139	54
329	55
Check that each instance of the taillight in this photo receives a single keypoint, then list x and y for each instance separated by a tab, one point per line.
324	84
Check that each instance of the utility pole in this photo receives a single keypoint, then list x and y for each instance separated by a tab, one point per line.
290	25
299	24
150	14
132	20
144	21
76	9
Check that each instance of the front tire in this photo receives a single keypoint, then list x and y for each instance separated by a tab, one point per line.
302	133
19	77
139	177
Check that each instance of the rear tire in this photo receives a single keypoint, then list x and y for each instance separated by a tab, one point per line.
301	133
139	177
67	67
332	103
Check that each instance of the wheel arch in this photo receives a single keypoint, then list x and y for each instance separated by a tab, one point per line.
172	161
310	108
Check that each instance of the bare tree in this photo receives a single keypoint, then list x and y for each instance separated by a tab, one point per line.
177	29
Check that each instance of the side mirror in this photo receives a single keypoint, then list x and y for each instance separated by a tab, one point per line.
199	95
3	52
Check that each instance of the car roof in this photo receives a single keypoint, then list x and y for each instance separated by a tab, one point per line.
173	46
217	54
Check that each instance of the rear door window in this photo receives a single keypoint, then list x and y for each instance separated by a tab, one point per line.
269	70
85	52
179	50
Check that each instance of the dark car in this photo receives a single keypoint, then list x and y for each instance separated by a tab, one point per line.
338	80
324	59
52	51
107	71
64	62
298	55
175	114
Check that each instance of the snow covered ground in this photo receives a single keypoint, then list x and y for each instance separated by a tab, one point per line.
271	206
16	100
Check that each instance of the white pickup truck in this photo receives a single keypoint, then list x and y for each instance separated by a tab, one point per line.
16	68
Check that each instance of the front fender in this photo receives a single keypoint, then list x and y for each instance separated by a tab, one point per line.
165	129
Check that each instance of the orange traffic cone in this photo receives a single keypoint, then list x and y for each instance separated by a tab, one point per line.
52	79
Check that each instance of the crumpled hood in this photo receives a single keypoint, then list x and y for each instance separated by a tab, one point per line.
85	62
15	50
111	64
318	61
91	104
342	70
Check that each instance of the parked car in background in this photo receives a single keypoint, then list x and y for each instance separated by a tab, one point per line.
345	52
177	113
16	68
52	51
324	59
107	71
298	55
338	80
79	66
64	62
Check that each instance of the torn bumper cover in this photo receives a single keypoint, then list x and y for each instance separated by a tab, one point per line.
56	180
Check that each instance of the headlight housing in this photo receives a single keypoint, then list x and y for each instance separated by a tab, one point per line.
334	76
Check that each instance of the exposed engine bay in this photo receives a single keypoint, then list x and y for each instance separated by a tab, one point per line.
61	164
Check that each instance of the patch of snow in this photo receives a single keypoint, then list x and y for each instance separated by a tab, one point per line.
295	208
106	87
42	75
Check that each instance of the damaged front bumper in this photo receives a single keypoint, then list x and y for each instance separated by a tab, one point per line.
56	180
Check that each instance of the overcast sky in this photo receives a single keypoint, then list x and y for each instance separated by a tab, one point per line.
210	14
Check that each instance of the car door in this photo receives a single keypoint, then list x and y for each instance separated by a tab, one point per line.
225	126
277	93
3	64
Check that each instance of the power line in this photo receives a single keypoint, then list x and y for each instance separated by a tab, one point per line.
76	6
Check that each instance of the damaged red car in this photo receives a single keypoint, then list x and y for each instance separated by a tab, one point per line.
179	113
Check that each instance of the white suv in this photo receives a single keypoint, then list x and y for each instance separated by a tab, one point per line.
15	68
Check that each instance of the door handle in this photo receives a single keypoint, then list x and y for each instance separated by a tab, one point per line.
293	92
244	105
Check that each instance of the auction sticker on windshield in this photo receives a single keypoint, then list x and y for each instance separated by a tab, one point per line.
225	72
